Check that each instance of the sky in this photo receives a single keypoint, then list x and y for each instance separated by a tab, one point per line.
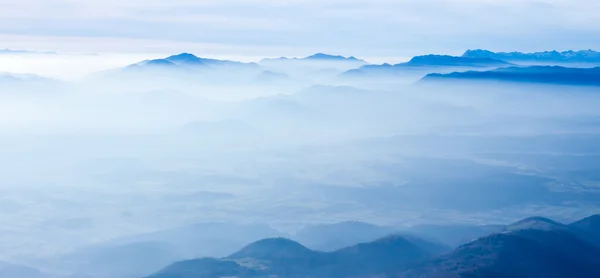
380	29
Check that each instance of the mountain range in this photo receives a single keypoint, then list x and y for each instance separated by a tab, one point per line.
319	66
580	56
186	70
531	74
426	63
189	61
280	257
316	57
533	247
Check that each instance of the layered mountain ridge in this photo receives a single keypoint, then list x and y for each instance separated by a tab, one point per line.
532	247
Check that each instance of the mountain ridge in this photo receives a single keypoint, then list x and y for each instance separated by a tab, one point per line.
547	56
557	75
426	63
533	247
317	57
281	257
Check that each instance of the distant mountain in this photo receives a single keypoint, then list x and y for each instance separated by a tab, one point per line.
581	56
315	67
189	61
280	257
330	237
536	223
533	74
452	61
317	57
426	63
453	234
322	56
185	72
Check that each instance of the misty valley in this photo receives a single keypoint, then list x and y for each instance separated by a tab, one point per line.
485	164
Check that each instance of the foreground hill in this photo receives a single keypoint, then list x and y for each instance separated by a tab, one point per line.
588	229
521	254
280	257
533	247
534	74
381	256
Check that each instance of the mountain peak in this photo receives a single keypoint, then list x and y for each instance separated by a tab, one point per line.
184	54
535	223
477	53
184	57
271	248
157	62
323	56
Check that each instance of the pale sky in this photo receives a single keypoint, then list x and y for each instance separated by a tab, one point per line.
255	28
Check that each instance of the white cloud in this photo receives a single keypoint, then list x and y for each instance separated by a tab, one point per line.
376	27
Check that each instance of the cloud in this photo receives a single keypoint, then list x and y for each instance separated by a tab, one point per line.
379	27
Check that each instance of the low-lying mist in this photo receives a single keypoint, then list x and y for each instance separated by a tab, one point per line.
184	157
